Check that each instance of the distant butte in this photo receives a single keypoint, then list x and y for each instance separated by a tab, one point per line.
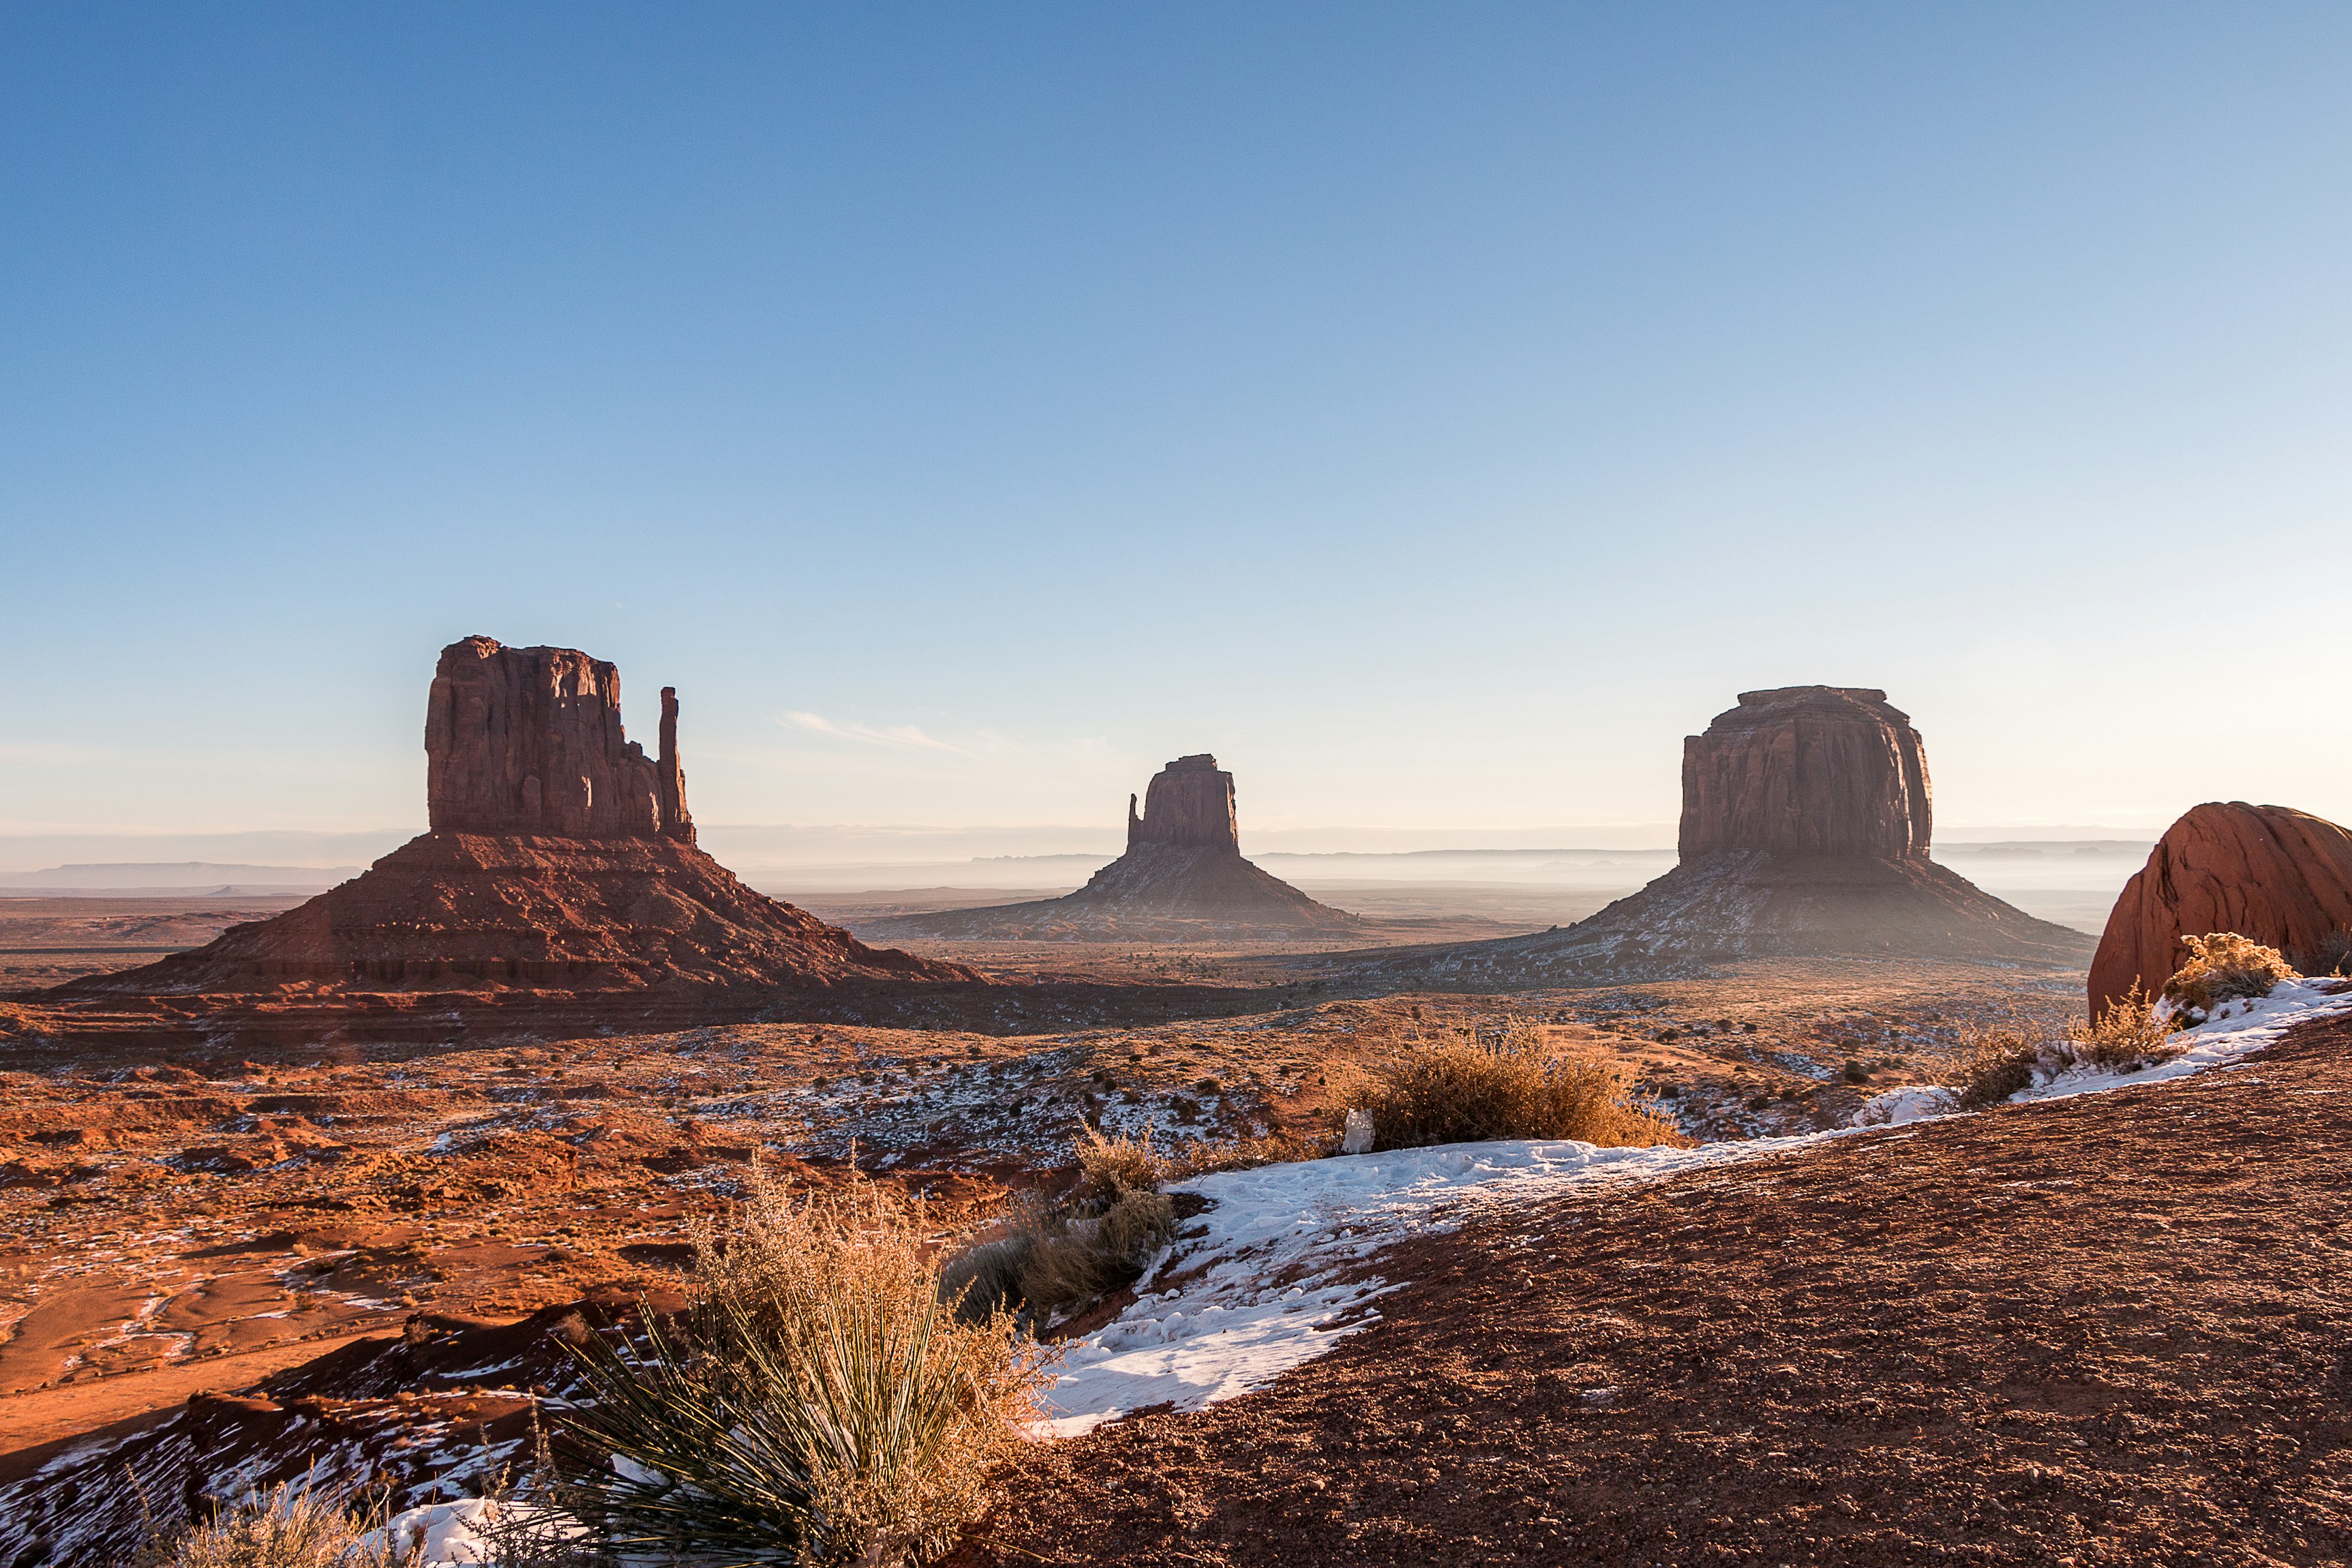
1182	876
1807	815
560	878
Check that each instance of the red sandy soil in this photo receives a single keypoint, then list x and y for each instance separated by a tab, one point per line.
2105	1329
169	1228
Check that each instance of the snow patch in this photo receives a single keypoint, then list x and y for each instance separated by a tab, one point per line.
2235	1029
1274	1274
1912	1104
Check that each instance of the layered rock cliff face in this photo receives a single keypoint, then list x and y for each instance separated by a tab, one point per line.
1183	876
2279	876
528	740
1814	771
1187	805
560	872
1805	827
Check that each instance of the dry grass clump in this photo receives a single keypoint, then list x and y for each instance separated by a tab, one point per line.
2223	966
286	1528
818	1403
1458	1090
2127	1036
1053	1257
1993	1063
2331	954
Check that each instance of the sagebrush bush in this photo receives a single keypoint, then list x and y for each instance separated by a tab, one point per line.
2331	954
1993	1063
2127	1036
1456	1090
817	1402
290	1527
1050	1257
2223	966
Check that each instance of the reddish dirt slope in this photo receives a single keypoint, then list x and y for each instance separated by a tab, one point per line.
2106	1330
462	911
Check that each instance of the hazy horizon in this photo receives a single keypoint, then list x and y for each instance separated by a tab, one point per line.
1435	413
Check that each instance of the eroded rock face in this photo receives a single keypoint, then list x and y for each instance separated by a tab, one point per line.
1826	771
1187	805
528	740
561	876
2280	876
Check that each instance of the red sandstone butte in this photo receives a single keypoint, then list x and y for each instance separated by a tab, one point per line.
560	872
1831	771
1182	876
1806	821
2280	876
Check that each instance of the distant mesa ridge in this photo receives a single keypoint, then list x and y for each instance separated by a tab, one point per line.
1806	816
1182	874
560	869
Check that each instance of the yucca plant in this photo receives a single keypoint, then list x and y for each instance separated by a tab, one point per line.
817	1404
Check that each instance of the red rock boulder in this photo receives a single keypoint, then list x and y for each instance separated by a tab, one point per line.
2281	876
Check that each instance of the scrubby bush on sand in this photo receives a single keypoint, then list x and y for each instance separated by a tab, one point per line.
290	1527
817	1403
2128	1036
1993	1063
1452	1090
1049	1258
2222	967
2330	955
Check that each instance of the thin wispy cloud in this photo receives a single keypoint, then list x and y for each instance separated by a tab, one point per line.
906	735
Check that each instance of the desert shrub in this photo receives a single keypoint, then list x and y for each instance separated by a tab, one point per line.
2128	1036
1202	1156
2331	954
1050	1258
817	1402
1992	1065
1854	1072
1076	1258
290	1527
1108	1167
1454	1090
2223	966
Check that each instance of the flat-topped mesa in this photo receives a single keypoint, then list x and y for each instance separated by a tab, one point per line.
1820	772
528	741
1187	805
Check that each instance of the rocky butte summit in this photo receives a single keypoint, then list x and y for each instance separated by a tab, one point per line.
1805	827
1182	876
560	876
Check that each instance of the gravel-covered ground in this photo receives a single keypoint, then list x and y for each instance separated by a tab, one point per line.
2113	1329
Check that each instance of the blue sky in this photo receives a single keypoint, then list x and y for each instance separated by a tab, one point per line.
1437	411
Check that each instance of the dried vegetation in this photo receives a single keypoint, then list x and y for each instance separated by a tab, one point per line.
1452	1089
818	1403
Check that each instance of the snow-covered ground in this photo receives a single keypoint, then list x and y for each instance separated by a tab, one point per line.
1276	1272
